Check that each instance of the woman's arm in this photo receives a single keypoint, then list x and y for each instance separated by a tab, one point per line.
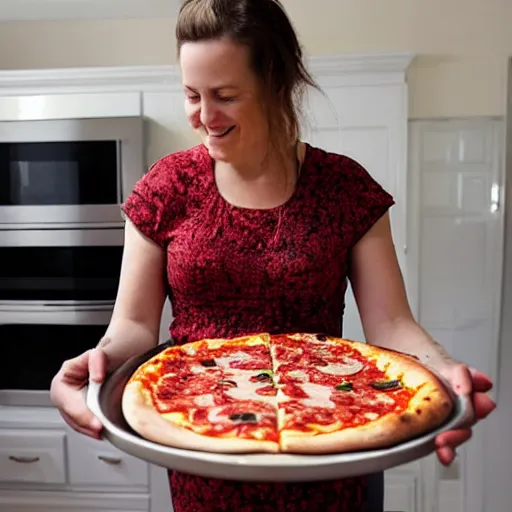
380	295
135	323
388	322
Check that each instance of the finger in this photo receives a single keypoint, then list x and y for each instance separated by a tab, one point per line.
483	405
83	430
97	365
445	455
453	438
74	406
481	382
76	369
462	380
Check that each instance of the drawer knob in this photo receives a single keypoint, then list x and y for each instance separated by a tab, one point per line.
109	460
23	460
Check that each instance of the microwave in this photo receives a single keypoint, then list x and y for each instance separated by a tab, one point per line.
64	173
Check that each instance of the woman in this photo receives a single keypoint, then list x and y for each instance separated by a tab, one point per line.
256	231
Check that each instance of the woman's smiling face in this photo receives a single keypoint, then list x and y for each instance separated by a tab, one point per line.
223	103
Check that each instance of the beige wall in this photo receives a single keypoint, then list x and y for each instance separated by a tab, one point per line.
462	45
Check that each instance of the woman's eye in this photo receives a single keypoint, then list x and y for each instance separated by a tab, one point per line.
193	98
226	98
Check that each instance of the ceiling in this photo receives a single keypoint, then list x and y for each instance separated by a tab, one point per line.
39	10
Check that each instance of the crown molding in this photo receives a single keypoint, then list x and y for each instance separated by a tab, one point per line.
360	63
351	68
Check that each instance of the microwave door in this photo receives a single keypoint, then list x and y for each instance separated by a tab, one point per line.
68	172
59	183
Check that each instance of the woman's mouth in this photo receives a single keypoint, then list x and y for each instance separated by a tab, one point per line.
219	135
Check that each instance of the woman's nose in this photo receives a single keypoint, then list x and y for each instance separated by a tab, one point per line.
208	113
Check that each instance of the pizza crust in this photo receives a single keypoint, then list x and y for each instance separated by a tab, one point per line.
144	419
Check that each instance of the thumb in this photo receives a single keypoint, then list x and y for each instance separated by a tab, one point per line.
76	370
462	380
97	365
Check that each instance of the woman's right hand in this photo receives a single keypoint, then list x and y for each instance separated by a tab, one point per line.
67	390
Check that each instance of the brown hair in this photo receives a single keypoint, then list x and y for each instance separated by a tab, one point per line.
264	27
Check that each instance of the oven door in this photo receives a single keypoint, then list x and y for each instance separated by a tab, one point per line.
68	172
76	267
36	343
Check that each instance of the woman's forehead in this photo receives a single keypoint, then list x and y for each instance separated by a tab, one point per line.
215	64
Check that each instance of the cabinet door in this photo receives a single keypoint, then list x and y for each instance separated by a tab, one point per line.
400	494
99	463
369	125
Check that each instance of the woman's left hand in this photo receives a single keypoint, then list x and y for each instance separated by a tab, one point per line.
475	385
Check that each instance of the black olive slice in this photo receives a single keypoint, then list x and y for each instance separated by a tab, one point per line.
209	363
245	417
230	383
264	376
386	385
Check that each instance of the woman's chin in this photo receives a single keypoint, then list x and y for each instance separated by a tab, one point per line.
219	154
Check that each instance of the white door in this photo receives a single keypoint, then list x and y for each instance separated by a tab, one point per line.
457	178
368	124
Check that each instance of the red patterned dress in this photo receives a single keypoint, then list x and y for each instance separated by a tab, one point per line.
233	270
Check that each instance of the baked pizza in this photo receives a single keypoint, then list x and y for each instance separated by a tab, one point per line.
288	393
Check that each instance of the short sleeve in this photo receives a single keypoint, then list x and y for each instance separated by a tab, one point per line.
366	202
153	203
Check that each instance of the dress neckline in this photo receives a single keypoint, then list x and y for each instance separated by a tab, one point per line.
299	184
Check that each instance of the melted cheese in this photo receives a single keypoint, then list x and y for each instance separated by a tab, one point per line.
246	390
215	415
381	399
204	401
299	375
238	357
189	349
371	416
319	396
202	369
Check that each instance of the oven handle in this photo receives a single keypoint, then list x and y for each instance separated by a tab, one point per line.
56	313
56	306
81	305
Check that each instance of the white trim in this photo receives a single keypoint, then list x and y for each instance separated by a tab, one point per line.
65	501
390	68
360	63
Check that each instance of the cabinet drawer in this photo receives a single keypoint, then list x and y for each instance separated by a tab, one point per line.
92	462
32	456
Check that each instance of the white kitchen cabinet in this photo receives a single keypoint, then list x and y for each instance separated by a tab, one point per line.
35	457
98	463
46	466
401	494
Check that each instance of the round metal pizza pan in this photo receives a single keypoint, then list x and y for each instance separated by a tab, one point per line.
104	400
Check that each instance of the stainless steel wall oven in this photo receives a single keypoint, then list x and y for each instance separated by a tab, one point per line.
57	290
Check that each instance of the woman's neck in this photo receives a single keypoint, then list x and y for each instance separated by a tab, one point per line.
264	185
269	166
